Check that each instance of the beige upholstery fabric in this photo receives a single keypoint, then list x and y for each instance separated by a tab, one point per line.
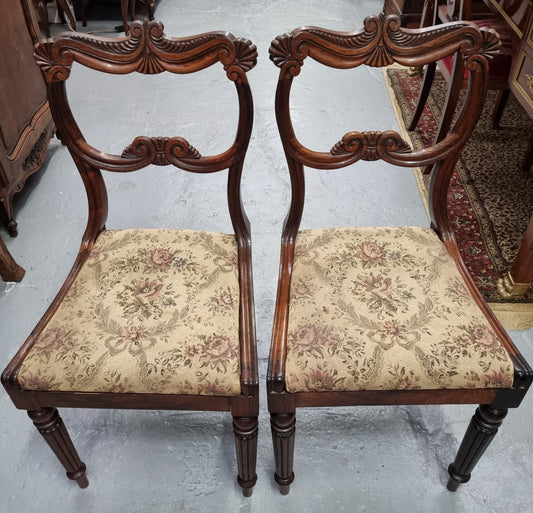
152	311
385	309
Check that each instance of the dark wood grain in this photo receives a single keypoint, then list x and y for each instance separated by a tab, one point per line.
148	50
381	42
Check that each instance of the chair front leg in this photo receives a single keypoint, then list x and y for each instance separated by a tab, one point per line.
52	428
481	430
245	429
283	434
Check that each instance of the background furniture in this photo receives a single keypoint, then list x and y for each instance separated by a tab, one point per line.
125	5
148	318
383	315
25	123
511	71
410	11
9	269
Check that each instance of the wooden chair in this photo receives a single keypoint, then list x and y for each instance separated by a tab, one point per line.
126	5
147	318
436	12
384	315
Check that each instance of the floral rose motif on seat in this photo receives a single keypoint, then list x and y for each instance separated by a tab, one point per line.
217	352
319	380
158	258
140	318
370	252
224	302
367	313
145	298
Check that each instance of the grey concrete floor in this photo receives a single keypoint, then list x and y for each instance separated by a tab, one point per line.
373	459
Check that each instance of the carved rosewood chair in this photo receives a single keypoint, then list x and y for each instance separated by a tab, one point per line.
384	315
147	318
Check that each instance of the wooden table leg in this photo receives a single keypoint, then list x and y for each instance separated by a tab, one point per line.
124	5
9	269
518	280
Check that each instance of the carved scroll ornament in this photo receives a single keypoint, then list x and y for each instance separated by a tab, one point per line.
160	151
382	42
146	50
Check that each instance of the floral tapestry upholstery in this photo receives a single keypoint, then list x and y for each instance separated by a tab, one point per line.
385	309
151	311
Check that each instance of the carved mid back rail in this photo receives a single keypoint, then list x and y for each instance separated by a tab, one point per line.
341	334
383	42
130	342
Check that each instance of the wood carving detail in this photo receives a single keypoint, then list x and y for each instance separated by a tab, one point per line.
370	145
160	151
146	50
382	42
52	70
37	153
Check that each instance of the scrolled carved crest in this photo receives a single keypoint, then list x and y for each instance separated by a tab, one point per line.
146	50
370	145
382	42
160	151
281	54
245	59
52	68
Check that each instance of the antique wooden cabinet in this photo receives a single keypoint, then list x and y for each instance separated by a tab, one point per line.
25	121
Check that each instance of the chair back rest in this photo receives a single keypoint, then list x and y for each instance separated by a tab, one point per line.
380	43
147	50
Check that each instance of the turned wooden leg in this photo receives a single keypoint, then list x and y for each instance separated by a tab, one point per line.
283	432
9	269
6	215
501	102
245	429
51	427
483	426
124	5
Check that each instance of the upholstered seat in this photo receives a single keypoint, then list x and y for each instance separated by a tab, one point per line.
151	311
148	318
399	316
377	315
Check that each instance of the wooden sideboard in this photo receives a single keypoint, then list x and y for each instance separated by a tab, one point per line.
26	124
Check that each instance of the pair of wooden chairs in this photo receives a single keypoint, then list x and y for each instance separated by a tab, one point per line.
164	319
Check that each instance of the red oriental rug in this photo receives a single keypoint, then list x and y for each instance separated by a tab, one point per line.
490	197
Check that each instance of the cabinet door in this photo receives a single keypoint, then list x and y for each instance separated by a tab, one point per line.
25	120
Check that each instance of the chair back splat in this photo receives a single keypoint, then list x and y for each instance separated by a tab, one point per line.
384	315
147	318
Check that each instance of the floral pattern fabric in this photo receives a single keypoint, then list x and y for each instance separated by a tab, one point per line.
385	309
151	311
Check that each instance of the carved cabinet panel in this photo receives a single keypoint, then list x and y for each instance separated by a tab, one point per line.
25	121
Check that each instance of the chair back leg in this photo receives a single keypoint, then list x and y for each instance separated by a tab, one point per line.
481	430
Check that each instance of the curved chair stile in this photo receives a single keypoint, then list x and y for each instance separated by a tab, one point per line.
145	325
330	346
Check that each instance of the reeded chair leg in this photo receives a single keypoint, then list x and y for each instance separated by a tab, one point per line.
245	429
283	433
53	430
481	430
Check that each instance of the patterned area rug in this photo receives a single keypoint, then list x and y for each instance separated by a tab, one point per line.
490	197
